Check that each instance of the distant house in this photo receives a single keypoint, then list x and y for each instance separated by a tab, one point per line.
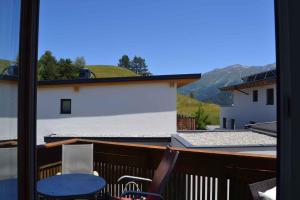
115	107
254	101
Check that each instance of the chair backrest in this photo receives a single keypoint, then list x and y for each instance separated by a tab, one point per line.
261	186
163	171
77	158
8	163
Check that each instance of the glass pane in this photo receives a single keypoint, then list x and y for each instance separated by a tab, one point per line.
131	69
66	106
9	46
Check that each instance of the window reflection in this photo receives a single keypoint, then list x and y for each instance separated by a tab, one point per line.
9	40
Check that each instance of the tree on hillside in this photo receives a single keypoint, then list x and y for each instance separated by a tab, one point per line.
47	67
67	70
201	118
50	69
192	95
139	66
124	62
80	62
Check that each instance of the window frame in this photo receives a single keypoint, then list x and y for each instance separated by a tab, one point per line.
288	109
62	111
287	57
27	99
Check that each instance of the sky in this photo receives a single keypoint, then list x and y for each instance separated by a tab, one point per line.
174	36
9	29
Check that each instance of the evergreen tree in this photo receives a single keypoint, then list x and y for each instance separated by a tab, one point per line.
47	67
124	62
139	66
67	70
80	62
201	118
192	95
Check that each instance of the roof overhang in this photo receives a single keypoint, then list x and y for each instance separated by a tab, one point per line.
180	80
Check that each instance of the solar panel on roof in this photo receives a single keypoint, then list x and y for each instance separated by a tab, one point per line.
260	76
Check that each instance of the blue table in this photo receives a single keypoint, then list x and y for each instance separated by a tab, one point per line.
9	189
71	186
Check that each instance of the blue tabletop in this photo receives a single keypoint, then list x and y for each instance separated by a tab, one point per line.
70	185
8	189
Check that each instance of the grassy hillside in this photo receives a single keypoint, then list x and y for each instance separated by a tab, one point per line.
188	106
106	71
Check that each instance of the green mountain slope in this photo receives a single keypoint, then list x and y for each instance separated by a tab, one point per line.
188	106
106	71
207	88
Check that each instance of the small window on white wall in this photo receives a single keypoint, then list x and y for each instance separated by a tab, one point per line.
224	122
232	124
65	106
270	96
255	96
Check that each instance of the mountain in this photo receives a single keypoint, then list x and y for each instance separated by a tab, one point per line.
207	88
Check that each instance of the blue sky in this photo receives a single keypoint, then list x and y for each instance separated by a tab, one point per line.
9	29
174	36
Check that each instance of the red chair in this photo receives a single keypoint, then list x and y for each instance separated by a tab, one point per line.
157	184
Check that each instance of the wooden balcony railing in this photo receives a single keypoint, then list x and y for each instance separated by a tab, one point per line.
198	173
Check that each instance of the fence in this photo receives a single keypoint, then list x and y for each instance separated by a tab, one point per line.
186	122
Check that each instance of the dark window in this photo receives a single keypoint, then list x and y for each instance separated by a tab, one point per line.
270	96
255	96
232	123
65	106
224	122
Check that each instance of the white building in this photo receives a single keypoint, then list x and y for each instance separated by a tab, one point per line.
114	107
254	101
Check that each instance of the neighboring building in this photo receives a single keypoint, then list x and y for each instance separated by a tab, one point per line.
254	101
107	107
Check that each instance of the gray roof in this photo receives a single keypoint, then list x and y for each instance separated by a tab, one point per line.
228	139
268	128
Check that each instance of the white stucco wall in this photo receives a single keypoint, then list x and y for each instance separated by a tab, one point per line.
141	110
8	110
245	110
